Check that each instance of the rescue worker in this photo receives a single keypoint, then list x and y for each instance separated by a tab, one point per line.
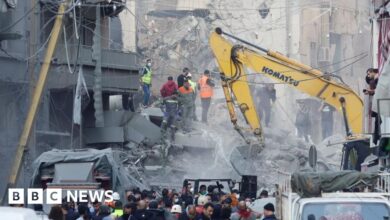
205	85
326	119
193	86
267	97
169	93
118	210
268	212
176	211
186	97
302	120
182	77
146	81
202	200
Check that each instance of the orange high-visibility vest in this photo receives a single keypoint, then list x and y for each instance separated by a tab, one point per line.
183	90
206	91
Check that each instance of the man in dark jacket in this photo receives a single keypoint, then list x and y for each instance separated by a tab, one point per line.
182	77
267	97
268	212
154	213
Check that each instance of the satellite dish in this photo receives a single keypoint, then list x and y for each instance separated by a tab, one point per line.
313	157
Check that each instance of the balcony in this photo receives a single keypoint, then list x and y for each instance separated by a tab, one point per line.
119	69
111	59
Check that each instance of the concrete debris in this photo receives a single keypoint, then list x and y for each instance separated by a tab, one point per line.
117	118
193	139
103	135
142	126
152	112
131	134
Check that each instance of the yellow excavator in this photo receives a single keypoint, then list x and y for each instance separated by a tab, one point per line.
233	61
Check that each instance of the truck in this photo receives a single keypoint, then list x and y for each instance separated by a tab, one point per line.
348	195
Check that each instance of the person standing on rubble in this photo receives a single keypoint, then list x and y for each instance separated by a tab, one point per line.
186	97
302	120
182	77
146	81
193	86
205	85
267	96
326	119
169	94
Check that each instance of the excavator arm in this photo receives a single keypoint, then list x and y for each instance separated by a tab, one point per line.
233	59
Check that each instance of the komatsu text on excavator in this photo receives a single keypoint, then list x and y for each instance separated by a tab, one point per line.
232	61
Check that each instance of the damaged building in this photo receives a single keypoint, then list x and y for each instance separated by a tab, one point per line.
94	41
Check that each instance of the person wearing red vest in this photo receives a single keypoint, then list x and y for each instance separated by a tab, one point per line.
205	85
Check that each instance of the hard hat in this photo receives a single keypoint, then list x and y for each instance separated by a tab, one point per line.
176	209
202	200
115	196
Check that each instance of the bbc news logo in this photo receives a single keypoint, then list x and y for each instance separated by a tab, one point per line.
16	196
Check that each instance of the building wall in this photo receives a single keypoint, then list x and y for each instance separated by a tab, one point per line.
20	65
128	24
339	26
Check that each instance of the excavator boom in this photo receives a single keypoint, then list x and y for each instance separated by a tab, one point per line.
233	59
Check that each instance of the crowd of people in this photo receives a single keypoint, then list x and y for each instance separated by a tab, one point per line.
207	204
178	98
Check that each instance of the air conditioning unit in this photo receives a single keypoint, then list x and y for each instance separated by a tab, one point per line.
324	54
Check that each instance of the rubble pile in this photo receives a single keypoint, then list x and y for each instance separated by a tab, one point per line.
180	39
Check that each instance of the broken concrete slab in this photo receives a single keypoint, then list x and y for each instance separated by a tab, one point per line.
153	111
144	127
103	135
154	114
133	135
116	118
192	139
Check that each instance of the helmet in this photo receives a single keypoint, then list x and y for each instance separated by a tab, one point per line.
115	196
202	200
176	209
